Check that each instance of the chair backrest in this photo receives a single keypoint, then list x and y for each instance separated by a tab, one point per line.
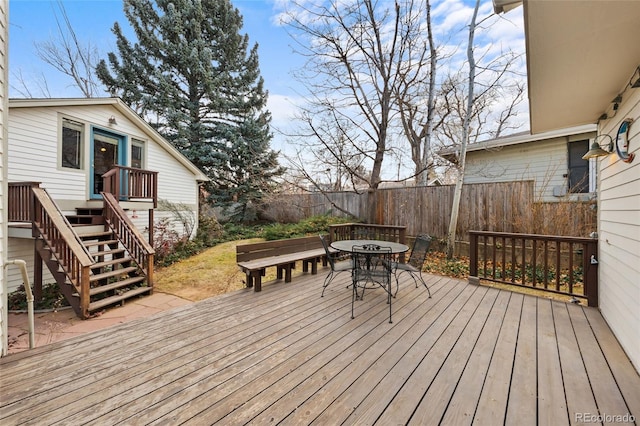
419	251
371	263
325	244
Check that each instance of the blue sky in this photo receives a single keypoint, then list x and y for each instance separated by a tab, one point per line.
33	21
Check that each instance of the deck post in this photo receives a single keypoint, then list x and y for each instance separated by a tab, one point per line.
37	272
473	259
589	252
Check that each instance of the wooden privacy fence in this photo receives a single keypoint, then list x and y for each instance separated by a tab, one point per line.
498	207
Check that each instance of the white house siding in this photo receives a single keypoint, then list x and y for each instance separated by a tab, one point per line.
544	162
33	156
22	248
619	233
33	153
4	34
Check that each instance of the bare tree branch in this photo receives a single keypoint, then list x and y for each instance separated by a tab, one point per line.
67	55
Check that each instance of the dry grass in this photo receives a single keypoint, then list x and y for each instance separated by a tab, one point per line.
207	274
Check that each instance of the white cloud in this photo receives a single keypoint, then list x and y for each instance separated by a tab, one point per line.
283	109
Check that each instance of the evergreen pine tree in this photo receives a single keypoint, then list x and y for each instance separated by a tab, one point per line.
190	74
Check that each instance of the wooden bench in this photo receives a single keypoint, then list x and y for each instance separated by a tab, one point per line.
253	259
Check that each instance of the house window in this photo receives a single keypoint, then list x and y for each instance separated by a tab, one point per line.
578	168
137	154
72	136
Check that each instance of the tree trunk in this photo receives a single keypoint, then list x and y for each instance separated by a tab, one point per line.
457	194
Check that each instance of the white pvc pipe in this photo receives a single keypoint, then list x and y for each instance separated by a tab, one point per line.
27	287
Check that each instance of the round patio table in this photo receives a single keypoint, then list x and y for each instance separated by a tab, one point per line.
347	245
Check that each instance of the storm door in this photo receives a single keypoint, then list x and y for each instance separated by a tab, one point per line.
107	150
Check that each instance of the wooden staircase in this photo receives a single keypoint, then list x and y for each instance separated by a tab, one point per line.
97	256
114	276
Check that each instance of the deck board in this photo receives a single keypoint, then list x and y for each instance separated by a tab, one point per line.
578	390
494	395
463	404
522	404
605	388
468	355
552	409
461	339
621	368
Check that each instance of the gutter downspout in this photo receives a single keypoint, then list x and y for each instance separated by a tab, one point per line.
27	286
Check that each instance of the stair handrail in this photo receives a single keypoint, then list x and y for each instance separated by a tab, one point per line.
136	183
129	236
66	246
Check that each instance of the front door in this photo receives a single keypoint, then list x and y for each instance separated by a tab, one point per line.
107	151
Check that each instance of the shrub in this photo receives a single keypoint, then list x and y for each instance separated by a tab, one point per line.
311	225
209	231
51	298
165	240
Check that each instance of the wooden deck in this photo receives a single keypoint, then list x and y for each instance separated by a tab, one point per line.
468	355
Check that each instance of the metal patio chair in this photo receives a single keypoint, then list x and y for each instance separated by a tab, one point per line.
336	266
371	269
414	265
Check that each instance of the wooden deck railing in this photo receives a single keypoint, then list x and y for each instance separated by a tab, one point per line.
65	245
128	235
369	231
128	183
20	202
563	265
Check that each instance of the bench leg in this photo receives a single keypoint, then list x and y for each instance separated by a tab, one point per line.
313	263
287	272
255	279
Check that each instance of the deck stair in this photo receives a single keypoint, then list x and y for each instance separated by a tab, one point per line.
111	273
86	216
115	277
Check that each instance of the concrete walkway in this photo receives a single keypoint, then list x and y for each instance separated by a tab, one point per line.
52	327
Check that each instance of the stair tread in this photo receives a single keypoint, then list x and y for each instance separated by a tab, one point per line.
115	299
111	262
98	243
113	286
89	235
108	252
113	273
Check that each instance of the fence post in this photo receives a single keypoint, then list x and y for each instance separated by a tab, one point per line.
473	259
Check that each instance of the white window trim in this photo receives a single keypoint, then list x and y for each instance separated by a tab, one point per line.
83	145
142	143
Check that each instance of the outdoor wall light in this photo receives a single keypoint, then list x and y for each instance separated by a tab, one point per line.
598	150
112	120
